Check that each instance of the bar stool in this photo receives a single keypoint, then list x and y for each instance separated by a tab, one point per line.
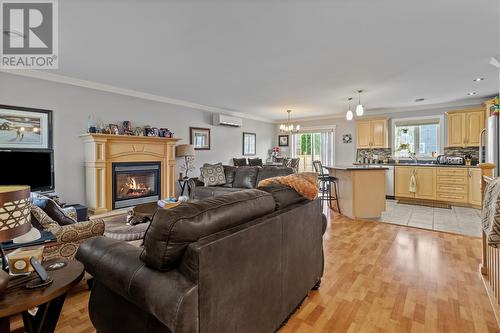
325	186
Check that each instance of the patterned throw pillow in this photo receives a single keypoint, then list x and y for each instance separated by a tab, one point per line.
213	174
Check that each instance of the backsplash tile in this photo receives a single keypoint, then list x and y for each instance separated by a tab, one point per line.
382	153
461	151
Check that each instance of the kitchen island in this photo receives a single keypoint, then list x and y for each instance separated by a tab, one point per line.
361	190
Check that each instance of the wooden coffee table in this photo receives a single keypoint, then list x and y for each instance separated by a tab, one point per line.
49	300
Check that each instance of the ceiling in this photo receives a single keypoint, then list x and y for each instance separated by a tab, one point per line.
262	57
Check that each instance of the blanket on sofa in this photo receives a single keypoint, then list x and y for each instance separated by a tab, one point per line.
305	183
490	215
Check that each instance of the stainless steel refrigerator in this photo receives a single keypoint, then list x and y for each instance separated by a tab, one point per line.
492	144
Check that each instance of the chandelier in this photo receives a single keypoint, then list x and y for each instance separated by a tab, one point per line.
289	127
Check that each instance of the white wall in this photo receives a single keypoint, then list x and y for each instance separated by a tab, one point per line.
72	105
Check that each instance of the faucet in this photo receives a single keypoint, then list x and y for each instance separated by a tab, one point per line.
413	156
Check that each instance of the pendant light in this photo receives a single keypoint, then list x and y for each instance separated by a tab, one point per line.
289	127
349	115
359	108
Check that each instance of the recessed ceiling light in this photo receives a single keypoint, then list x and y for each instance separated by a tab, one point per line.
472	93
478	79
420	100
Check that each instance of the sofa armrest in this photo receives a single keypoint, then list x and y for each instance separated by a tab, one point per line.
169	296
78	232
192	183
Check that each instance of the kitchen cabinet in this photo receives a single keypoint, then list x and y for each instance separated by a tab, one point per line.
475	193
447	184
402	176
426	183
464	127
372	133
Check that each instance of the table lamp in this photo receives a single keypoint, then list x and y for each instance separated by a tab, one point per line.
15	220
186	151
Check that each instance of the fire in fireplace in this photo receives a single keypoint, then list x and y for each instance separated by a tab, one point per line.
135	183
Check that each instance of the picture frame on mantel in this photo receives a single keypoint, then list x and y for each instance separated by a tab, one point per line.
249	144
25	128
200	138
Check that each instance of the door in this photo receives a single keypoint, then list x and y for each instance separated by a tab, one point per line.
379	133
402	176
475	186
363	134
456	129
426	183
474	122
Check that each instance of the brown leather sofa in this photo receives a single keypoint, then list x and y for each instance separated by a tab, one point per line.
237	179
240	262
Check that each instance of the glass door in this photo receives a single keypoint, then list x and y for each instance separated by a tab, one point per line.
312	146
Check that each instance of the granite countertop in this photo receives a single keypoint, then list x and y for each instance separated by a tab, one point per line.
357	167
423	165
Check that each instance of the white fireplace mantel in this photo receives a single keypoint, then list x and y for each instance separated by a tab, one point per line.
102	150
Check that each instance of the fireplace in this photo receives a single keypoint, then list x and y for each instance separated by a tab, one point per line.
135	183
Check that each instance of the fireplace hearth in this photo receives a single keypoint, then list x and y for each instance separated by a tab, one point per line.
135	183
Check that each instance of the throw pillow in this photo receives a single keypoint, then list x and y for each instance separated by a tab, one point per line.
255	161
229	171
57	214
213	175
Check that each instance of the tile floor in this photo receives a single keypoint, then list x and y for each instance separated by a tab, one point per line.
460	220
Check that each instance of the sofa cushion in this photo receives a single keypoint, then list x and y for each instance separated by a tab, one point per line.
205	192
246	177
271	171
283	195
229	171
172	230
213	174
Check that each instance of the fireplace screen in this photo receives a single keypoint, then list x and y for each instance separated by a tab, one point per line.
135	183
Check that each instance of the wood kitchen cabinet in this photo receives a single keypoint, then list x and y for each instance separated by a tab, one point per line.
426	183
475	194
464	127
402	176
447	184
372	133
425	178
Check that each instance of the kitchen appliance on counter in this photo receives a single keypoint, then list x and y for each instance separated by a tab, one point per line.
454	160
441	159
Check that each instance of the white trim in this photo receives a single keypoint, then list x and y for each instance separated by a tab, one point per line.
320	128
128	92
441	131
387	112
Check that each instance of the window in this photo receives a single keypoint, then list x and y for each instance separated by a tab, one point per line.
416	137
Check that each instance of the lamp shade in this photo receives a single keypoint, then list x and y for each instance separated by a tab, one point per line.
15	211
185	150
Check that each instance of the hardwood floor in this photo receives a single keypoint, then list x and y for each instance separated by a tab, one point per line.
378	278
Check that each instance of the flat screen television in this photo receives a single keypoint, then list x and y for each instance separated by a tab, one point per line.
33	168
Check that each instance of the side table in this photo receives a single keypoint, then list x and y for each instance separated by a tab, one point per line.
49	300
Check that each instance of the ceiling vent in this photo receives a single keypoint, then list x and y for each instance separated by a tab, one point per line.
225	120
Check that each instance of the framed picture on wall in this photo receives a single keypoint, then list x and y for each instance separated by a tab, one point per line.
249	143
283	140
199	138
25	128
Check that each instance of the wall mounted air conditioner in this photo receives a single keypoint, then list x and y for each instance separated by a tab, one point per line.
225	120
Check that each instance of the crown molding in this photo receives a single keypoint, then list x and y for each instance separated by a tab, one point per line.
41	75
388	111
